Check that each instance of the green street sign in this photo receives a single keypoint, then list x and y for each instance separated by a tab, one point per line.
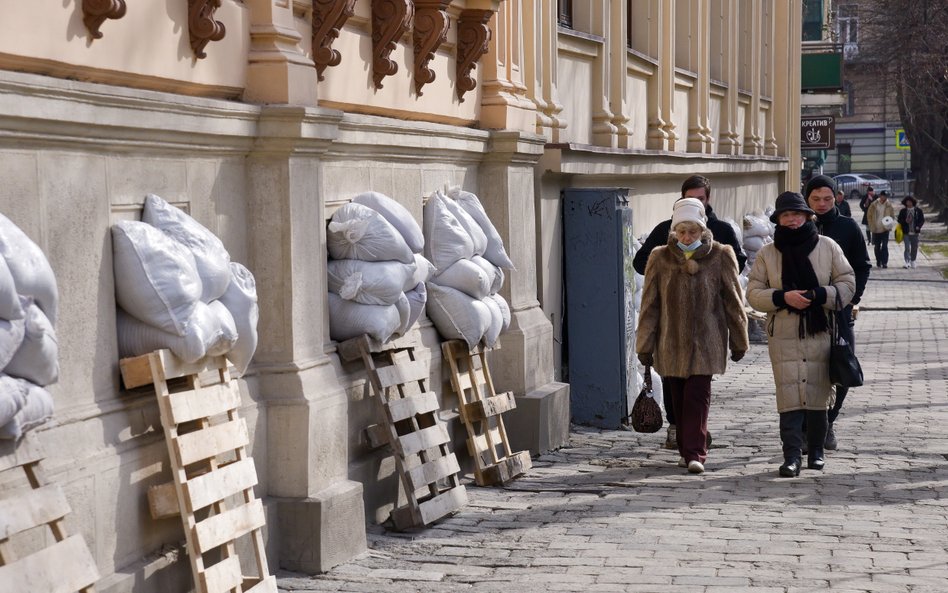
901	140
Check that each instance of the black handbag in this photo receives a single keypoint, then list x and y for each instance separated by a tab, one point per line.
844	368
646	414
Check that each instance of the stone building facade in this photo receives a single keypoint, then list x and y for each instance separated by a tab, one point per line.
261	117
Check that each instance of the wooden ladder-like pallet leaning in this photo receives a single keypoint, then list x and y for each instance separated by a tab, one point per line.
410	425
481	408
65	566
213	474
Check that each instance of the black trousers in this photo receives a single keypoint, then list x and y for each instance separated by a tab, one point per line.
880	245
792	432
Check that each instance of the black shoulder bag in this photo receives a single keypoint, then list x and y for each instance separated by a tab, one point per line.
844	369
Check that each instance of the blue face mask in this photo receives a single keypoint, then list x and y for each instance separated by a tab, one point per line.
691	247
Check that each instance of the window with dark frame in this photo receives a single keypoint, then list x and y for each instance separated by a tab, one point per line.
565	16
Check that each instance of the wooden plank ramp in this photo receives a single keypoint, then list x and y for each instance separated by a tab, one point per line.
481	411
410	426
65	565
212	489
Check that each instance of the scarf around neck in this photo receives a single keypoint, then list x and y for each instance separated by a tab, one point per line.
795	246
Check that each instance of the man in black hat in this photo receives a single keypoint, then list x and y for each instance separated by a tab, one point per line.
845	231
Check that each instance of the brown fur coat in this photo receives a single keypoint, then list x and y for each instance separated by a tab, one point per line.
692	309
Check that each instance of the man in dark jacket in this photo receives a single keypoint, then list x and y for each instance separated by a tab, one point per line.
842	205
699	187
820	196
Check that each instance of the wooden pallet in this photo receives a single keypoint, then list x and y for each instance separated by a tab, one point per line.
481	409
410	425
213	474
65	566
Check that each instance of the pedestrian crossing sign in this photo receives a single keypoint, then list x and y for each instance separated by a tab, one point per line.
901	140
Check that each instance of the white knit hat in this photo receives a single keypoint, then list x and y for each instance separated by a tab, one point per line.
689	210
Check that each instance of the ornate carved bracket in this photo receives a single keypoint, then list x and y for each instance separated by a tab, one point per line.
202	26
96	11
328	18
390	20
430	31
473	38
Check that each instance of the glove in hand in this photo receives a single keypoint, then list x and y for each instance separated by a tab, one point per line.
736	355
646	359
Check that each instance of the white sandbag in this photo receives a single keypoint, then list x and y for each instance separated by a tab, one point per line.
31	272
12	397
156	279
203	330
495	252
417	298
496	322
9	299
210	255
11	337
240	298
753	243
456	315
397	215
495	274
37	409
478	238
466	276
504	309
37	358
369	282
227	334
757	226
403	305
424	270
446	241
348	319
359	232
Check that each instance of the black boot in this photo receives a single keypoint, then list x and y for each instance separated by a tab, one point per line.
790	468
816	427
791	435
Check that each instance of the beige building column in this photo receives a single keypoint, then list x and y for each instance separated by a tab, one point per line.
786	107
504	103
768	72
321	515
751	11
540	51
617	46
278	70
661	91
699	126
725	15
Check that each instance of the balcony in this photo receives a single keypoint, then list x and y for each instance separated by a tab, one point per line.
821	67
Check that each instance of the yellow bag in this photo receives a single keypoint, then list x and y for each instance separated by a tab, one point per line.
898	233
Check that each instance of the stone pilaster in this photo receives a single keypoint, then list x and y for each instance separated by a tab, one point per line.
278	71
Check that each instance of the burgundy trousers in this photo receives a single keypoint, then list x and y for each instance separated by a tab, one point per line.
691	398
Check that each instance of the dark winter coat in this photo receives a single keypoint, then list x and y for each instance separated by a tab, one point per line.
722	231
849	236
918	221
692	309
844	209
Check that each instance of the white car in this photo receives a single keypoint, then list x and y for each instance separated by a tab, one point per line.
854	185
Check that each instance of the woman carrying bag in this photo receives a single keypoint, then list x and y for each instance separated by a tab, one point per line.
796	280
691	313
911	220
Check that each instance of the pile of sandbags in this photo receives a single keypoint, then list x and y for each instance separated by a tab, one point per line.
376	271
177	288
469	256
758	231
29	351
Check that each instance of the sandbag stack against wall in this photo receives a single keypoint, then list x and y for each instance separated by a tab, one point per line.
758	231
470	259
177	288
376	270
29	351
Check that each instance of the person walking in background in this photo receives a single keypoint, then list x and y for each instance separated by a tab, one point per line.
911	220
867	199
877	211
692	312
841	204
699	188
847	234
795	280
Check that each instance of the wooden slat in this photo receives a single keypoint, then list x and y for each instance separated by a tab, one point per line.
223	576
445	503
506	469
463	382
426	438
64	567
267	585
491	406
228	526
429	473
17	453
400	409
401	373
204	402
136	371
217	485
212	441
31	508
163	501
376	435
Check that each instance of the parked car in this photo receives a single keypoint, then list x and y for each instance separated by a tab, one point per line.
854	185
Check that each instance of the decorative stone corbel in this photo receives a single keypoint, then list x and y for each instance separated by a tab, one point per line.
430	31
202	26
329	16
390	20
473	39
96	11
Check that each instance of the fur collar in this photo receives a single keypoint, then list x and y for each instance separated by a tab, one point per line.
690	265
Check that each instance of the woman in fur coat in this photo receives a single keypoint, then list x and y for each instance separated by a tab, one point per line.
796	280
691	311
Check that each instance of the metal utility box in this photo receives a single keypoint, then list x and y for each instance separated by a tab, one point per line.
598	247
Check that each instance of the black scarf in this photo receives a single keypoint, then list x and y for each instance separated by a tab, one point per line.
797	274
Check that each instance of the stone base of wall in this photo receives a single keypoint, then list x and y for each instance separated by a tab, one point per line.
540	422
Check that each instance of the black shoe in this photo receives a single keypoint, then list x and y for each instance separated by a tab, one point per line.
790	468
815	460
